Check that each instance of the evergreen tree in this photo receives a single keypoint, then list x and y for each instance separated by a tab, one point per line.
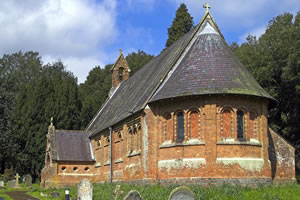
182	23
53	94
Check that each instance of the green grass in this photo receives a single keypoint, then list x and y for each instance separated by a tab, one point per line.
157	192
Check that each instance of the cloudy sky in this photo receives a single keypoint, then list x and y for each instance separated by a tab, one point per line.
86	33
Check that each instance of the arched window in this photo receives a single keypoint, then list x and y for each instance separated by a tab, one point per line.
167	127
240	124
226	123
180	127
121	69
194	124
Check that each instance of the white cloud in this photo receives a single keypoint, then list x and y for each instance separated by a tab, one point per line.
254	32
73	30
79	66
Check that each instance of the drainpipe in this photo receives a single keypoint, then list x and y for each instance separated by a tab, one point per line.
110	153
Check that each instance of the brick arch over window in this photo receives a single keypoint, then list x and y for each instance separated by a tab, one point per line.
194	123
167	127
226	123
252	130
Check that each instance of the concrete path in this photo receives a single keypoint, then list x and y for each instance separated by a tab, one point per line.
20	195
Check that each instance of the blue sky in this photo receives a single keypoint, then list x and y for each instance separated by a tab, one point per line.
86	33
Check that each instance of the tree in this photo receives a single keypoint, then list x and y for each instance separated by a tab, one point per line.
53	94
16	70
137	60
93	93
274	60
182	23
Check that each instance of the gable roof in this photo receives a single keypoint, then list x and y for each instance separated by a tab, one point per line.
198	63
73	146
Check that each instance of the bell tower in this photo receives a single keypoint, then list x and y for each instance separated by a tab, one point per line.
120	71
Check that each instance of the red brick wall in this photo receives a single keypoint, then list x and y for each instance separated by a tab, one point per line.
145	148
282	157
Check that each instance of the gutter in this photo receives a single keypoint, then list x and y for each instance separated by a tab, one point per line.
110	153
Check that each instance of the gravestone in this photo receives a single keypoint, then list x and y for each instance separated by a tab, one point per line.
85	190
11	184
17	181
182	193
1	184
118	192
55	195
133	195
28	180
2	198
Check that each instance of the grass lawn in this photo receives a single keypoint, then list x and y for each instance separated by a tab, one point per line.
157	192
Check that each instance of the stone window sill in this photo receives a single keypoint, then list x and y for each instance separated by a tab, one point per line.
188	143
134	153
98	165
107	163
119	160
239	143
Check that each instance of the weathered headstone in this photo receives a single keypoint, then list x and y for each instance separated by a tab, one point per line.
11	184
133	195
182	193
85	190
1	184
55	195
28	180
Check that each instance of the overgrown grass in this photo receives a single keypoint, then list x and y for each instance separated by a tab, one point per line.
157	192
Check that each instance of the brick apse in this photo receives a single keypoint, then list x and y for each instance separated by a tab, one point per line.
193	114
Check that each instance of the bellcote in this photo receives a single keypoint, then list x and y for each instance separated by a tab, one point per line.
120	71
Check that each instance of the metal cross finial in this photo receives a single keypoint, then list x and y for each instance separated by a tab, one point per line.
121	51
207	7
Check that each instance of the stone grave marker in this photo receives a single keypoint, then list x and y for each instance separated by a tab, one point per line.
85	190
28	180
133	195
11	184
182	193
17	181
117	192
1	184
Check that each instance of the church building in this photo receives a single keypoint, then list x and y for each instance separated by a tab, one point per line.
193	114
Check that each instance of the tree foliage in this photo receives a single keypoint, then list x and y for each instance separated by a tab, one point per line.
274	60
182	23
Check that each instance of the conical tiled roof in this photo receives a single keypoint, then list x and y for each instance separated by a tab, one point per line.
208	66
199	63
